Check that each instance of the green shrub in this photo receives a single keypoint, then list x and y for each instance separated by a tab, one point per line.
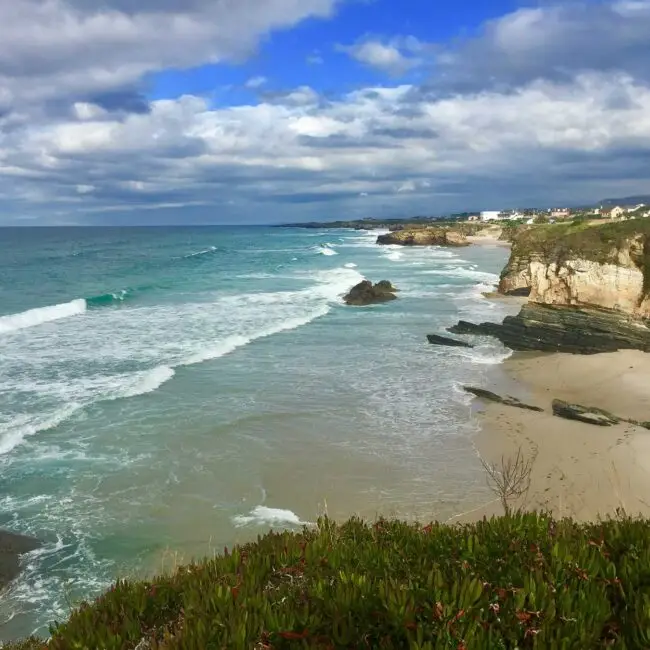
523	581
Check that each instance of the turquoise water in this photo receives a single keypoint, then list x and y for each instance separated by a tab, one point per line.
167	391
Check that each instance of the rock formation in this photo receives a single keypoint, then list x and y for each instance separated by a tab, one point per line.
436	339
588	414
433	236
588	289
12	546
591	415
554	328
507	400
367	293
604	266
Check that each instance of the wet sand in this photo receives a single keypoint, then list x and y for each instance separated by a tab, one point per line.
580	470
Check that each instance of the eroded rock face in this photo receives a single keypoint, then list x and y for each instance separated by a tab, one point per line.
367	293
580	282
556	328
424	237
599	266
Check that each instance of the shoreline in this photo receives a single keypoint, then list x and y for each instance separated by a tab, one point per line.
579	470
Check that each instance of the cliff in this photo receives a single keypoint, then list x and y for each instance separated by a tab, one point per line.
605	266
424	237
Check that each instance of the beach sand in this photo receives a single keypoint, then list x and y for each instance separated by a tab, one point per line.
580	470
487	240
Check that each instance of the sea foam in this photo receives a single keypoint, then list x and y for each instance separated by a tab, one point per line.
160	338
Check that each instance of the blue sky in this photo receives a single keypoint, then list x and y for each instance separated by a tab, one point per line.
308	53
216	111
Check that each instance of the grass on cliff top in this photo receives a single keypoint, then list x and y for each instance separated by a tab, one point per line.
599	242
520	581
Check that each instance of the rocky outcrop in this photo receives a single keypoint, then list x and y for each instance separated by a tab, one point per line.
605	266
507	400
436	339
589	414
367	293
12	546
553	328
424	237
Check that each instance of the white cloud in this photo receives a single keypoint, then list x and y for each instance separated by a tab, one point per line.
546	104
381	142
551	41
388	57
256	82
81	50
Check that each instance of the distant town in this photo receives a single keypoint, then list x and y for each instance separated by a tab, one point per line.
550	215
609	209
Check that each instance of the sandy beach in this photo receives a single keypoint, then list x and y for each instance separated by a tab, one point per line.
580	470
490	238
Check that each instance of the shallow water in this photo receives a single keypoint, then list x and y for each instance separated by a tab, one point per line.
167	391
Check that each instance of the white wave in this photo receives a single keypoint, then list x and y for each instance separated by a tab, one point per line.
23	427
486	356
40	315
350	265
264	516
461	272
155	339
203	252
147	381
219	350
395	256
327	251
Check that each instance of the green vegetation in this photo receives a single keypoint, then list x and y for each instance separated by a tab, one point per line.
521	581
596	242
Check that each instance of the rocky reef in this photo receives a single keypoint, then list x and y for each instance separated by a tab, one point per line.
558	328
367	293
436	339
12	546
424	237
508	400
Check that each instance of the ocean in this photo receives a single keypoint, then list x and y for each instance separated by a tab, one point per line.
165	392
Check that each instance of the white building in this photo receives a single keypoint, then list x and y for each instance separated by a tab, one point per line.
490	215
634	208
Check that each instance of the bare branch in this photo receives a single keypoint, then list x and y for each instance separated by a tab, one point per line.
509	479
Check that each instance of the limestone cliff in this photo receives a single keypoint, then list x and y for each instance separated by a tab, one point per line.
435	236
606	266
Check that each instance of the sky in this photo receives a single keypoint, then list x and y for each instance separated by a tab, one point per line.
136	112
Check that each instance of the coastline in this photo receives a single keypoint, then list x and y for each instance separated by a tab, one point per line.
580	470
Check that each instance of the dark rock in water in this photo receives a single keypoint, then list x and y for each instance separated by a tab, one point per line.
385	285
445	340
554	328
589	414
367	293
12	546
507	400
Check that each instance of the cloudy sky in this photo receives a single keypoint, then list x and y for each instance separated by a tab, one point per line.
250	111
